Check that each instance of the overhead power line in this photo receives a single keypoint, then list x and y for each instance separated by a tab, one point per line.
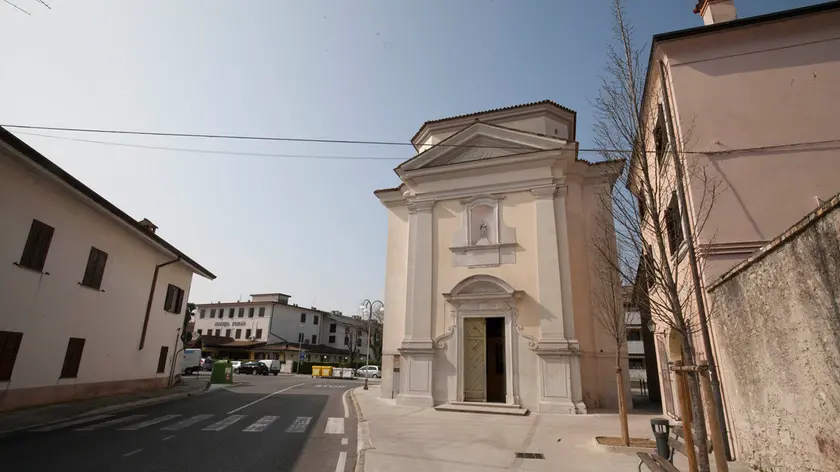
224	153
344	141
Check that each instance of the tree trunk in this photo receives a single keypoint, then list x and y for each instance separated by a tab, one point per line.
622	400
699	424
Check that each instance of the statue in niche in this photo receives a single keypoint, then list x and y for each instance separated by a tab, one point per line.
483	239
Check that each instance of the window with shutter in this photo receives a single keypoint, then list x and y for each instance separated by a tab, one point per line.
262	311
241	313
72	358
95	268
259	334
175	301
37	246
250	312
227	333
314	339
9	345
230	313
248	333
332	327
331	340
238	334
164	351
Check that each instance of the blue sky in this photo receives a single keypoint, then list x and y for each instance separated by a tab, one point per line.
364	70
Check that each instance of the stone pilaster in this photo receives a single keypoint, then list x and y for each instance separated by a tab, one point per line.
557	349
416	350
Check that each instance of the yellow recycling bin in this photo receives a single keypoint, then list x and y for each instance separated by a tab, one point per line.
326	371
316	371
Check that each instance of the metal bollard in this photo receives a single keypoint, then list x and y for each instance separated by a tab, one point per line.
366	385
661	428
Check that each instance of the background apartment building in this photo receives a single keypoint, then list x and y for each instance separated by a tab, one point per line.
268	324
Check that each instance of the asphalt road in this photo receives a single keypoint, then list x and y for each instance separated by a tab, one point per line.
294	424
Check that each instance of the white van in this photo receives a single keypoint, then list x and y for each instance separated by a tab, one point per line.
191	361
272	364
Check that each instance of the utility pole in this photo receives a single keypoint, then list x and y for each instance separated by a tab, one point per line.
367	307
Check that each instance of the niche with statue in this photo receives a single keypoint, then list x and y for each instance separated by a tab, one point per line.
483	239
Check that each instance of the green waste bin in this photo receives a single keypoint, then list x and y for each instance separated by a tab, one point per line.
222	373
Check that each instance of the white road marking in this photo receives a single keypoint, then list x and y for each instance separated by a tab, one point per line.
89	419
168	438
299	425
344	441
132	452
263	398
143	424
334	426
261	424
344	401
342	461
220	425
124	419
187	422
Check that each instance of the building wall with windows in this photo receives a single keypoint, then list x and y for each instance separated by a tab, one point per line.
238	320
75	285
270	318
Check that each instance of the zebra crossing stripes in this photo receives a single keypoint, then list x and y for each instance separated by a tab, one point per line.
53	427
177	422
124	419
186	422
261	424
299	425
220	425
334	426
143	424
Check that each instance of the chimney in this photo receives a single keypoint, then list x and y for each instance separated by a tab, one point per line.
715	11
148	225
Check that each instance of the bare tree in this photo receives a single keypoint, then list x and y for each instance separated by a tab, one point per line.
645	207
608	308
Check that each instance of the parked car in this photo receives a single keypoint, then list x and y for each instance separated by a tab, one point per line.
235	365
253	368
273	365
371	371
207	364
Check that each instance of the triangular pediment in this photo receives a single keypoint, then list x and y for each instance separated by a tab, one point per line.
481	141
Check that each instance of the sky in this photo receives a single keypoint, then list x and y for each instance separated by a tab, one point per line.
351	70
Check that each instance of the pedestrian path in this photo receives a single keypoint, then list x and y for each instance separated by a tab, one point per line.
202	422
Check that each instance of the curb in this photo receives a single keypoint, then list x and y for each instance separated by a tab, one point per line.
363	442
116	408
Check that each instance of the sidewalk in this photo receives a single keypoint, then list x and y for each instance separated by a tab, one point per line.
408	439
35	416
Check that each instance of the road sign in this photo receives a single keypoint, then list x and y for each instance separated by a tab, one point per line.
301	355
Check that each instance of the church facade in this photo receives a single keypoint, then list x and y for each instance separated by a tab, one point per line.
489	278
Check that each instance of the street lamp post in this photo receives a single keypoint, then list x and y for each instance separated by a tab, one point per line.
367	307
300	349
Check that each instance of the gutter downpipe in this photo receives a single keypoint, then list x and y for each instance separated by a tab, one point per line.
151	299
695	272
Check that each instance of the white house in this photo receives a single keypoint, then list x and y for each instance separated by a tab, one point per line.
92	300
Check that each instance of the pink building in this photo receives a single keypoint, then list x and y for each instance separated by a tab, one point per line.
754	102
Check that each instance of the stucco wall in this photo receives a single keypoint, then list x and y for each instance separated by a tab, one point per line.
778	320
49	309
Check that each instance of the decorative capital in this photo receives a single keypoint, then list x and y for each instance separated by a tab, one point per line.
422	206
561	190
544	193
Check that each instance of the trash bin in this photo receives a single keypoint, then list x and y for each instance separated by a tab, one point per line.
222	373
316	371
661	428
346	373
326	371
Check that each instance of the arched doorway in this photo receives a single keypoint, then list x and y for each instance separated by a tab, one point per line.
484	310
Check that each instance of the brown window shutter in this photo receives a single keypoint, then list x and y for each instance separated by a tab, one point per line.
95	269
167	304
9	346
72	358
164	351
37	246
180	301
